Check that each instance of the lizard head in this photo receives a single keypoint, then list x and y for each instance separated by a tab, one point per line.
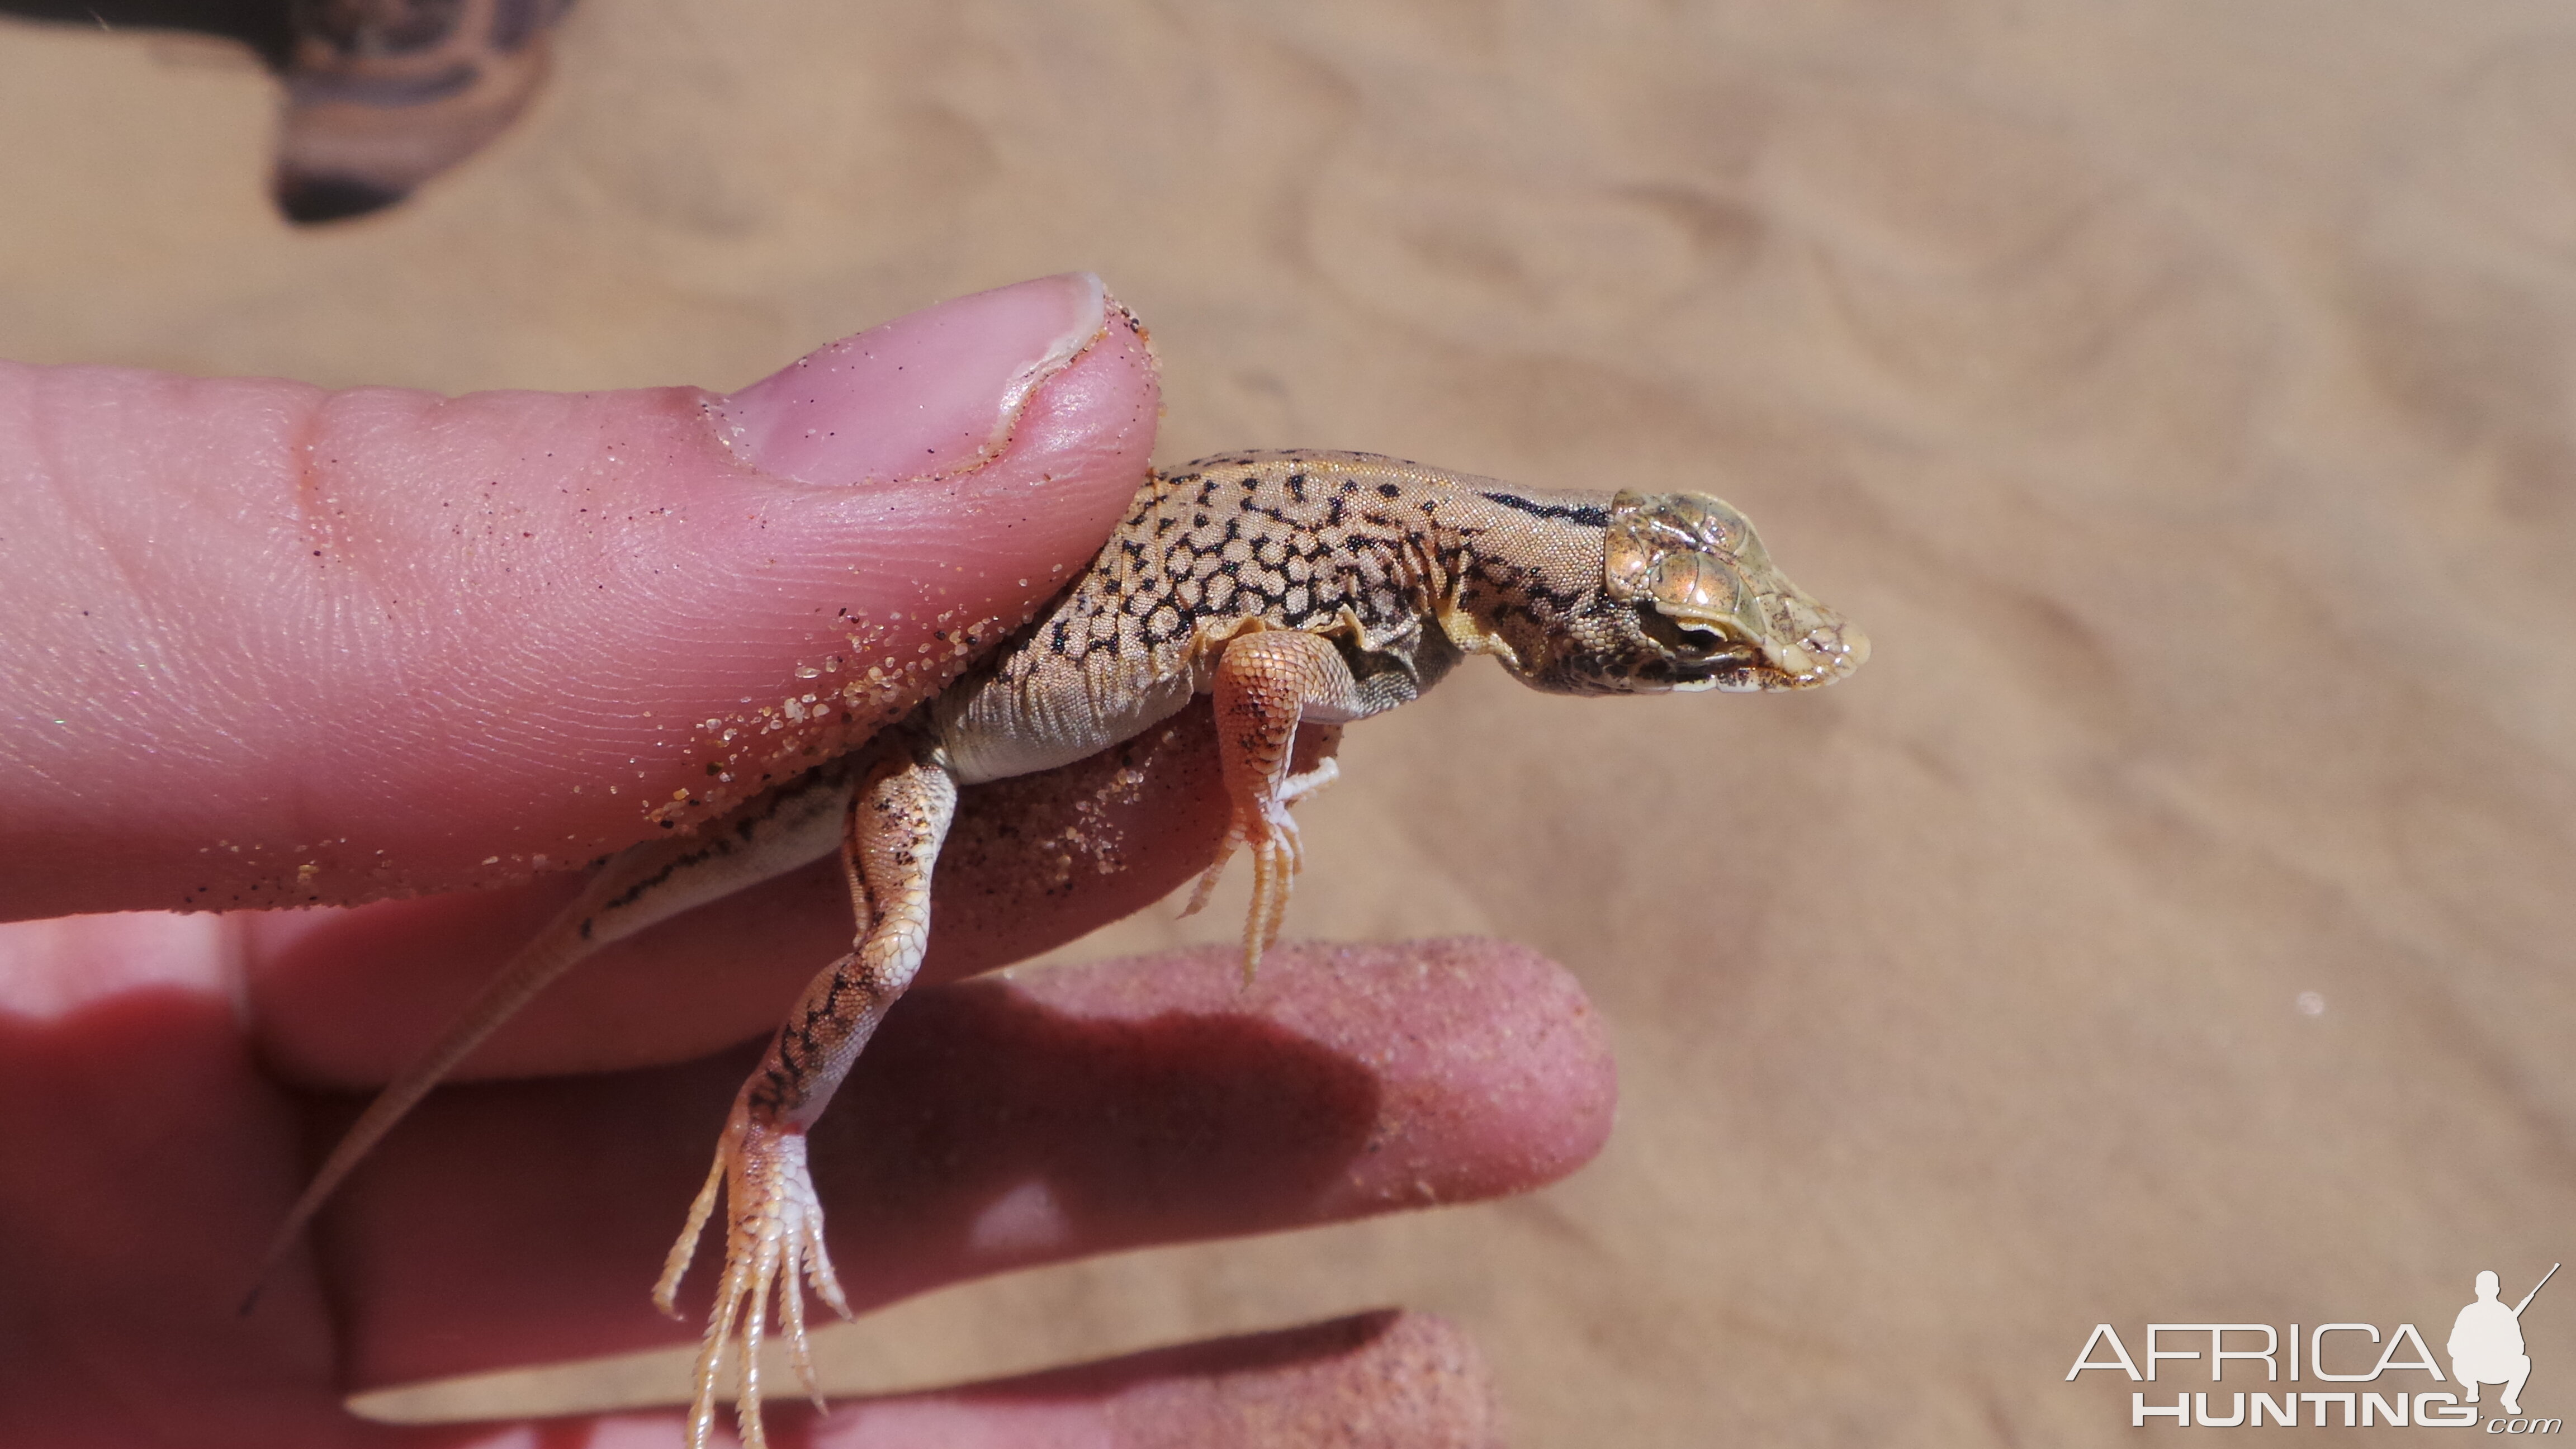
1687	600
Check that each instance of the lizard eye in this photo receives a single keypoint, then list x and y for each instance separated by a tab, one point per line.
1692	641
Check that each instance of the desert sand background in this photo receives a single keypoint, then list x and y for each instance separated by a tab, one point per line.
2171	923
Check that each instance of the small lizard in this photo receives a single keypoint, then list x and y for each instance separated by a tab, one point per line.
1293	587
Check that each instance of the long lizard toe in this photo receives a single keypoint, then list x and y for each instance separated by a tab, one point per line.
1277	855
1208	878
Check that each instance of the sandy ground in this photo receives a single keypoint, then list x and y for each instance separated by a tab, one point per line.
2171	924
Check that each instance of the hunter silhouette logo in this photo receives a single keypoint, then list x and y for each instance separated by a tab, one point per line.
2485	1349
2486	1342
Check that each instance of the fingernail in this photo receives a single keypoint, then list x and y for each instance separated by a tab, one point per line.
924	395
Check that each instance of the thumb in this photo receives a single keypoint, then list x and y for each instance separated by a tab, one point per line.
273	645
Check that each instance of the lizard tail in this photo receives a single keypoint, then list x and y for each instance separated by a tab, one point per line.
646	884
556	949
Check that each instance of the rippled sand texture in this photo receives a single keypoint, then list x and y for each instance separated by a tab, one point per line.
2183	395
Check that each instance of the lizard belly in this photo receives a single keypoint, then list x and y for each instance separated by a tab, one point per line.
1010	726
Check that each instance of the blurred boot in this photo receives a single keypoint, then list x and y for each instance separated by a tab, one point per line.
381	95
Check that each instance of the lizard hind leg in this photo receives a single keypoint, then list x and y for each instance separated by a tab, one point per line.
773	1236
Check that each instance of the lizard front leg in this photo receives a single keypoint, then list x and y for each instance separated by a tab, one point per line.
1265	683
898	818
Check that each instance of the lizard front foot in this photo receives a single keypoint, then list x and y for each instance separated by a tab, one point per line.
773	1237
1278	854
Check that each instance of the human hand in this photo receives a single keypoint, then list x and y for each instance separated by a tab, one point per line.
275	646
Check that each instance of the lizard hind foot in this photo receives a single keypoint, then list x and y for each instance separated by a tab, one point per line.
773	1239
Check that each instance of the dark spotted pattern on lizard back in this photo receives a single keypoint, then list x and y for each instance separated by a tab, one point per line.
1403	566
1292	543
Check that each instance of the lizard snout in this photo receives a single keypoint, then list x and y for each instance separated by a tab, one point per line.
1823	656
